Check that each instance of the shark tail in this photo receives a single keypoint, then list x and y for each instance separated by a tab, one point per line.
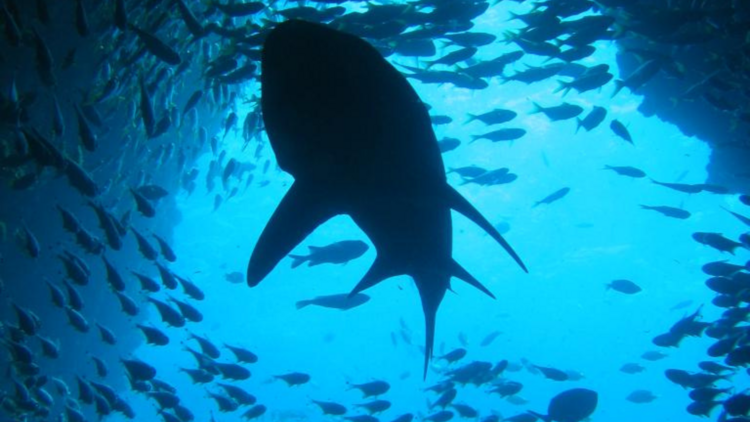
430	315
431	299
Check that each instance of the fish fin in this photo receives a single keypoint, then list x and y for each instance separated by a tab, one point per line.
431	299
545	418
619	84
302	303
460	204
287	228
562	86
379	271
459	272
740	217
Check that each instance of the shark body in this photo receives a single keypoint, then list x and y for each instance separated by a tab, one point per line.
358	140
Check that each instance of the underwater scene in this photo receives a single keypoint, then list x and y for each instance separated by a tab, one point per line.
428	210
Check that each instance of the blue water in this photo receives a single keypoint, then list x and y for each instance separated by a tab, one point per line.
559	315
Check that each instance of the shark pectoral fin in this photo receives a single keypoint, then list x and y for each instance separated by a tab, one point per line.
459	272
379	271
302	209
460	204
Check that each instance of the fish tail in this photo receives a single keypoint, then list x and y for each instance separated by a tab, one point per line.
471	118
476	137
545	418
509	36
619	84
579	124
513	16
297	260
563	86
302	304
537	108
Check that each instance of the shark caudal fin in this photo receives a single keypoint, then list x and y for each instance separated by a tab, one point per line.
431	291
460	204
302	209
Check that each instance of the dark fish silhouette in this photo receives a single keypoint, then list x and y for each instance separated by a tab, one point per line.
454	355
624	286
641	396
359	131
632	368
343	301
552	373
554	196
336	253
668	211
570	406
294	378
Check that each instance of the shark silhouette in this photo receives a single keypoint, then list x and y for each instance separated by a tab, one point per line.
358	140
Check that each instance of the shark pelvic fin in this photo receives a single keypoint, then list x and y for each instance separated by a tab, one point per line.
378	272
